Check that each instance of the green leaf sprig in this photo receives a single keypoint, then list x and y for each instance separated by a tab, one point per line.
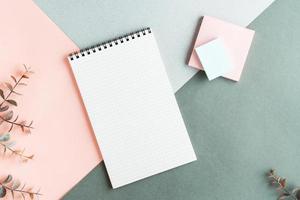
13	187
281	184
10	187
8	147
7	101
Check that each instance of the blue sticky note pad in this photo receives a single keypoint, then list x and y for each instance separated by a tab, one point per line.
214	58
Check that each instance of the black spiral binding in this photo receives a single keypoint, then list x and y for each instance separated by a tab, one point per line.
104	45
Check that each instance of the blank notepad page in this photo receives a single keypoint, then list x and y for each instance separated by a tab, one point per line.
132	108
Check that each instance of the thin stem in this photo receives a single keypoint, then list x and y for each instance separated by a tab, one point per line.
15	152
289	193
277	178
15	123
11	91
21	191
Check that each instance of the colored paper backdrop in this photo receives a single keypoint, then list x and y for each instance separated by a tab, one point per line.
174	23
62	139
239	130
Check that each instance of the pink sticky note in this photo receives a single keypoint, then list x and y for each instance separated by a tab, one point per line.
62	139
237	41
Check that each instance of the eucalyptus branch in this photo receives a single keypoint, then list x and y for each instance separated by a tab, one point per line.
9	185
281	185
25	75
16	152
7	117
7	145
22	192
14	187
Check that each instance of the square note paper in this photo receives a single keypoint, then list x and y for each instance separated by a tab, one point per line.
214	58
237	41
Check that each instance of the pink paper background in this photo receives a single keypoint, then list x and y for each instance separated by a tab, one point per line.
237	41
62	140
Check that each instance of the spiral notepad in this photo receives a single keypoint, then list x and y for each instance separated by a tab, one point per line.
132	107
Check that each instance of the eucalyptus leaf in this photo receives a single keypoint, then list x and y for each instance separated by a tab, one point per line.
2	191
284	196
4	137
12	194
296	192
4	108
2	94
9	115
8	179
26	69
12	102
15	80
17	93
16	184
11	144
25	76
9	86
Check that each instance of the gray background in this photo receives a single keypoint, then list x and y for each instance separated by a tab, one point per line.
88	22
